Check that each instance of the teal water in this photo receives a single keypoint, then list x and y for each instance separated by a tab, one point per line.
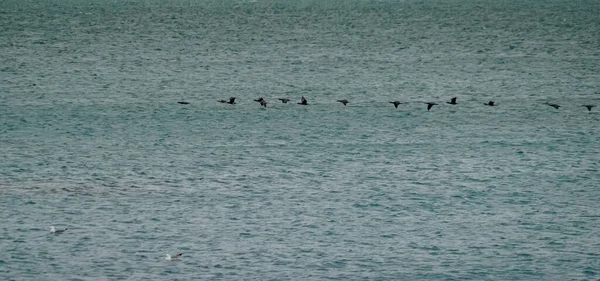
92	139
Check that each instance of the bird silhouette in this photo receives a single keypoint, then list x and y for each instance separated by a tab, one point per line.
396	103
430	105
343	101
262	101
303	101
231	100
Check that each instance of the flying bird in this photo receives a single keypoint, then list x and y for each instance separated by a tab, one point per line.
303	101
343	101
231	100
490	103
396	103
452	101
284	100
589	106
553	105
262	101
183	102
430	105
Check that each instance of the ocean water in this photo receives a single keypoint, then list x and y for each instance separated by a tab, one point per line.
93	139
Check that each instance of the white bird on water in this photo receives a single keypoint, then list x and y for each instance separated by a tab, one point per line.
54	230
174	257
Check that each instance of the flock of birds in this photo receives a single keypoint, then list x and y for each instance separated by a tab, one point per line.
303	101
168	257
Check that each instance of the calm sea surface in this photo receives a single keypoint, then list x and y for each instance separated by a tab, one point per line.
93	139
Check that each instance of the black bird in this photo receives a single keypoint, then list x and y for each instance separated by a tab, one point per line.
231	100
430	105
589	106
262	101
183	102
343	101
553	105
452	101
284	100
303	101
490	103
396	103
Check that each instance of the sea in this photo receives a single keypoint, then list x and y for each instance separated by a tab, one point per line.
110	128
